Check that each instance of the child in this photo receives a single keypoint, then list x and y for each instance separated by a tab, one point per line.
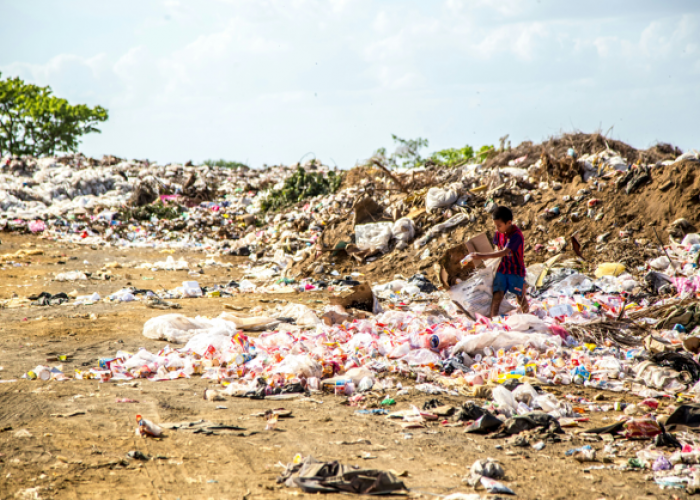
510	276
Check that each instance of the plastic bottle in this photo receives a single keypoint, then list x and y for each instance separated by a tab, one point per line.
147	428
442	340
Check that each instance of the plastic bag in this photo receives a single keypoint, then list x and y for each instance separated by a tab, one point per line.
438	197
505	400
142	357
174	327
660	263
421	357
191	289
476	293
495	339
691	239
609	269
525	393
526	323
253	323
302	315
71	276
404	230
220	340
300	365
374	236
641	428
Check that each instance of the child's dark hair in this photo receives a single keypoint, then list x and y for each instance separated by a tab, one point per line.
504	214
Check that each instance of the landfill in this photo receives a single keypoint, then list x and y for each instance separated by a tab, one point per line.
380	304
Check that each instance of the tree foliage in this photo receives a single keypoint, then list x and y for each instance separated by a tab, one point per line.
456	157
407	154
35	122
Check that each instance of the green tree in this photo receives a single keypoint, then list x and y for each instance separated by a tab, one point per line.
35	122
406	155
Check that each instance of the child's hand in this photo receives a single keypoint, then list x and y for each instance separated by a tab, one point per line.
475	256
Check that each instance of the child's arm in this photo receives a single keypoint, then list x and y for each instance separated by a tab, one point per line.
492	255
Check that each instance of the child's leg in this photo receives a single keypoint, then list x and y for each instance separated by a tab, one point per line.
496	303
521	297
500	285
522	302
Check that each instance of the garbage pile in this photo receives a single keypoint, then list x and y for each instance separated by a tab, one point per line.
612	306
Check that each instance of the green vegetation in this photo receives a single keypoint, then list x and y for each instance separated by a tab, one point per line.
35	122
225	163
407	154
299	186
458	157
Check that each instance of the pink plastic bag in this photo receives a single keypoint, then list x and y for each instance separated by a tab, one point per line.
558	330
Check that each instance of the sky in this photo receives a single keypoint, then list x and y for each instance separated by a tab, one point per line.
274	81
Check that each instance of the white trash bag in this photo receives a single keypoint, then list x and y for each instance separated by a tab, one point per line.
438	198
374	236
476	293
174	327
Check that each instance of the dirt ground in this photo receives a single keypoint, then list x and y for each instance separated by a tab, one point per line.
46	453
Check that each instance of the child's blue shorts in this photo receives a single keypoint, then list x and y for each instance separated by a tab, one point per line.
509	283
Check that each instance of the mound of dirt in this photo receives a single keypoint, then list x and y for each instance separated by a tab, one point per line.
610	224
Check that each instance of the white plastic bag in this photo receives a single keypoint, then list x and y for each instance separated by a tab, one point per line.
525	393
691	239
404	230
71	276
476	293
302	315
191	289
505	400
660	263
299	365
174	327
526	323
438	197
374	236
472	344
